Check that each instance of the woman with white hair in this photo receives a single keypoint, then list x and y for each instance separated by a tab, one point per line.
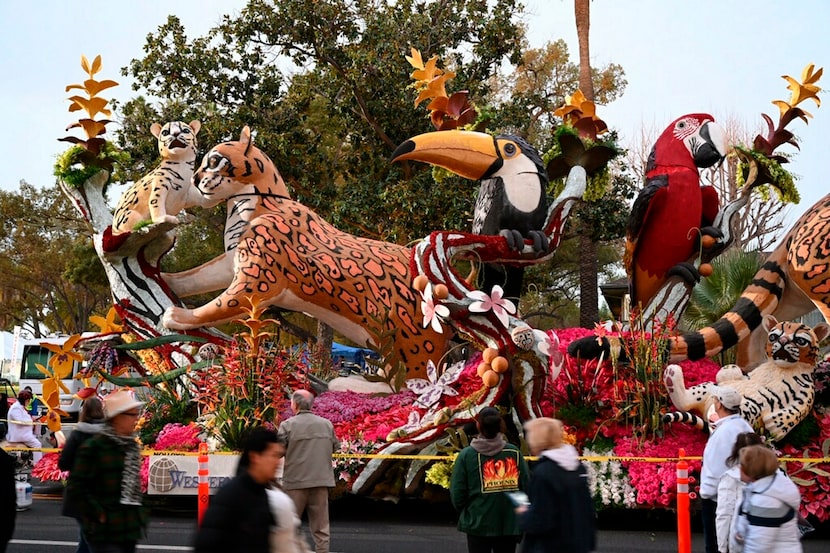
560	516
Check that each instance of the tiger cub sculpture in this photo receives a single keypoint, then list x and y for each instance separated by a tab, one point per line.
164	192
777	395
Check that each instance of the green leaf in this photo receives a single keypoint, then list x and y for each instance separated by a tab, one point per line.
161	340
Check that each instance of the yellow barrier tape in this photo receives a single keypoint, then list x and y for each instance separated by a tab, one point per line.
23	423
590	459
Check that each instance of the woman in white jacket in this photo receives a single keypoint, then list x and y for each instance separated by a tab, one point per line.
730	489
767	521
21	428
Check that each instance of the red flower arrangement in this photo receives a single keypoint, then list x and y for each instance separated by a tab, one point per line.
813	479
46	469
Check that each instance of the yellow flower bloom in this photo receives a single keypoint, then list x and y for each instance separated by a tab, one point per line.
63	358
107	324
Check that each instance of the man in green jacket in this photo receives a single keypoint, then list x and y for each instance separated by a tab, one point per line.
482	476
105	481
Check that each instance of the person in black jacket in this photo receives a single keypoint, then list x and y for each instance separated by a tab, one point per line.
561	515
8	499
90	423
239	516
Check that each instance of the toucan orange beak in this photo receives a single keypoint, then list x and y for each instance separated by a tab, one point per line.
469	154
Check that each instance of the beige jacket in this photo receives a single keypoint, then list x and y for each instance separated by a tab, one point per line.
310	441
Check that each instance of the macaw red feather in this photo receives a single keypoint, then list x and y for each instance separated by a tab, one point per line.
666	218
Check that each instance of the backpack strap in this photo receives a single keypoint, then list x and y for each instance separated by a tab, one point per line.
770	517
765	517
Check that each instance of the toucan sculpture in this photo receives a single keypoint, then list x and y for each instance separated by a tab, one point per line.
512	199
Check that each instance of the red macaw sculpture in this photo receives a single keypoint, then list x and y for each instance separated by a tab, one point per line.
673	210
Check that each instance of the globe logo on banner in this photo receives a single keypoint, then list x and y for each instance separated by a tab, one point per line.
159	474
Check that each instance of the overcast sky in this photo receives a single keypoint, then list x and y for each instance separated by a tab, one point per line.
716	56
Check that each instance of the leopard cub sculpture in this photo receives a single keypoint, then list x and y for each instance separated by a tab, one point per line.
777	395
164	192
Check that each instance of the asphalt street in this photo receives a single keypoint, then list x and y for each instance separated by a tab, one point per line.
364	526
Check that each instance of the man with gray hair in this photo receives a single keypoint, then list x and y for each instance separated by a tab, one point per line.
308	472
726	428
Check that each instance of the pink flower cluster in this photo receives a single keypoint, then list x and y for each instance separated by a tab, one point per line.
346	406
364	416
656	482
144	473
178	437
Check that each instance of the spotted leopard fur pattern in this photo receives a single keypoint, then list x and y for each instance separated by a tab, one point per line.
777	395
280	253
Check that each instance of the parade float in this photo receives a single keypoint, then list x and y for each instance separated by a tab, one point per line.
440	313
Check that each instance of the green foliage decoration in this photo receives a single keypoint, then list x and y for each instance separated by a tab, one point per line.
804	433
75	166
166	404
781	179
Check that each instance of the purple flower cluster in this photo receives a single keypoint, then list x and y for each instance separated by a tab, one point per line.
346	406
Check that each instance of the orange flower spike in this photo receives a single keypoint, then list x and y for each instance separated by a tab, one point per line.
93	87
435	89
573	103
566	111
255	323
53	419
51	388
588	109
64	357
93	106
92	68
804	90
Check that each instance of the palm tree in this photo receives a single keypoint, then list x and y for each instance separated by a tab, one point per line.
588	269
732	272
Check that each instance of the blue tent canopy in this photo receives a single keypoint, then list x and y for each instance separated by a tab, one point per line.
347	354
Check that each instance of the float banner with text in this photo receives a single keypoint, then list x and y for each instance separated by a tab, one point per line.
172	474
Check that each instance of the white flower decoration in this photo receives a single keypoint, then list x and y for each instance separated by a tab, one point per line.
542	342
435	387
413	423
482	303
433	312
548	344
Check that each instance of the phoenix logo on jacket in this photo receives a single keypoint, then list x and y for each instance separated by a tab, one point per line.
498	475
